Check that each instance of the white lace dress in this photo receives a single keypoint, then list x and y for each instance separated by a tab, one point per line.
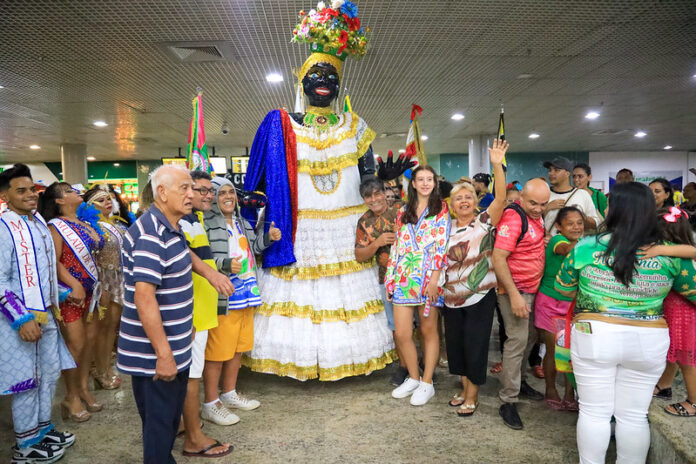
323	315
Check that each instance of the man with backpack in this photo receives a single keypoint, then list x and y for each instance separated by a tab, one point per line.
518	260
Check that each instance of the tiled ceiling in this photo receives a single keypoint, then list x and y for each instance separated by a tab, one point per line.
65	64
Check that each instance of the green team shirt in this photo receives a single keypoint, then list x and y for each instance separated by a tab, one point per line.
551	268
585	269
600	201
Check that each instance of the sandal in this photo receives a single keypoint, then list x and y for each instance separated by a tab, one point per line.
497	368
680	409
556	405
571	406
662	393
456	398
467	410
202	453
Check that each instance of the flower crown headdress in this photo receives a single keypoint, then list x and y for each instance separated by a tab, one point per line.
333	34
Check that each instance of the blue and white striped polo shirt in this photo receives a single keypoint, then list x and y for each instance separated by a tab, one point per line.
155	252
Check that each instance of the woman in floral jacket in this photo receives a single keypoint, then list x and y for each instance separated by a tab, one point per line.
422	228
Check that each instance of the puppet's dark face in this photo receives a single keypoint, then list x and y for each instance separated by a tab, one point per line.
320	84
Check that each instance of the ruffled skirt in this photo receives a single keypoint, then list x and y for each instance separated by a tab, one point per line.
323	316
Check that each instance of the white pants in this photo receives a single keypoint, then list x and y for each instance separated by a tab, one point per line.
616	368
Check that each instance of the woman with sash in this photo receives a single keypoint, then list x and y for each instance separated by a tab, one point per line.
75	242
111	278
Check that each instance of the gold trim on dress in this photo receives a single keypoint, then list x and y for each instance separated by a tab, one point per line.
271	366
322	270
330	214
365	141
331	141
318	168
290	309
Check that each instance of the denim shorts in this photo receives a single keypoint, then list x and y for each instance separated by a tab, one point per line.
388	308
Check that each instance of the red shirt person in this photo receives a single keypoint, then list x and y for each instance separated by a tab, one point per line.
519	267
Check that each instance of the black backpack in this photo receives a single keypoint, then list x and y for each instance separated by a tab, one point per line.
523	216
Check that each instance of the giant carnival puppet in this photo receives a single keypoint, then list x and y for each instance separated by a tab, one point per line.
322	314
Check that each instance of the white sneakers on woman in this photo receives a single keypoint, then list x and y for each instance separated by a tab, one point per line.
423	393
419	391
406	388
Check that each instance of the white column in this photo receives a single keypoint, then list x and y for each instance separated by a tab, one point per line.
478	154
74	161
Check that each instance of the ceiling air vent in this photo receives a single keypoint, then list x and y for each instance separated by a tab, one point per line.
198	52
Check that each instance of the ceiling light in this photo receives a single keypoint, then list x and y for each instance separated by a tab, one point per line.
274	77
117	164
402	151
35	147
592	115
525	76
2	86
457	116
667	147
91	158
100	123
424	137
640	134
534	135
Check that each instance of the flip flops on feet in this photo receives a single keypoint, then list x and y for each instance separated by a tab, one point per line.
556	405
204	453
456	401
467	410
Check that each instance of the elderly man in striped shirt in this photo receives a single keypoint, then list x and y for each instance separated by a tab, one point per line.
155	338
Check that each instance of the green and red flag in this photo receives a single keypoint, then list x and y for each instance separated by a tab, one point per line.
197	153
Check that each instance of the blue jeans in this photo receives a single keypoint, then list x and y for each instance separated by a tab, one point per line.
388	308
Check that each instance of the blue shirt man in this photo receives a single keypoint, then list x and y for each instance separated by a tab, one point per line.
155	338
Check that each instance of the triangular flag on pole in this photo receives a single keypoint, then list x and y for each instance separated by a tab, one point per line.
347	107
197	152
414	143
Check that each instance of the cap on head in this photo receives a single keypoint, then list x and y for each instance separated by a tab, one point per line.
560	163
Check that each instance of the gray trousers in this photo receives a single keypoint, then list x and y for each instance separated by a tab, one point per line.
520	339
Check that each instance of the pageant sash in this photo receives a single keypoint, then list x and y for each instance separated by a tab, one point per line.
83	255
78	247
27	264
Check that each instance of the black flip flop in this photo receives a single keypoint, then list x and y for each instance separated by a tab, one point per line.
201	453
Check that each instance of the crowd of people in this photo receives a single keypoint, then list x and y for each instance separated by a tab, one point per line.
178	285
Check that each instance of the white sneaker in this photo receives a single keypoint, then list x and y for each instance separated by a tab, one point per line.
218	414
423	393
239	402
406	388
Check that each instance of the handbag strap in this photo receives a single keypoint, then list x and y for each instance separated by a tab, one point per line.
568	321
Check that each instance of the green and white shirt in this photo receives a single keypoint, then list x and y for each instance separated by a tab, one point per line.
586	270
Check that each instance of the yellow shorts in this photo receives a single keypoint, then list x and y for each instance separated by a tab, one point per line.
234	334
